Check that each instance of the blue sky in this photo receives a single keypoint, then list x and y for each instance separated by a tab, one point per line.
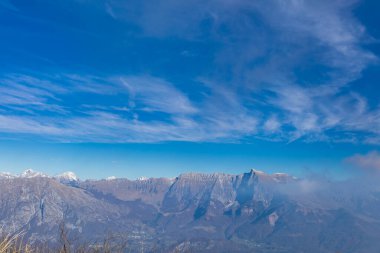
154	88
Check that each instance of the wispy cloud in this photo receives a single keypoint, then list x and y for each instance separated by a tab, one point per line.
144	108
279	70
128	109
263	47
27	94
156	95
30	125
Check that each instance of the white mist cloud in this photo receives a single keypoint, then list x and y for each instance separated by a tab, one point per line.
368	162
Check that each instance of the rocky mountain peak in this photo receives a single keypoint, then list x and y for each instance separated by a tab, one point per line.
252	206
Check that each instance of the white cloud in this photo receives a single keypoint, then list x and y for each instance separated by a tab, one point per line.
157	95
272	124
368	162
29	125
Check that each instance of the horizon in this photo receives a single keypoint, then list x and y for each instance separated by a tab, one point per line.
138	160
71	175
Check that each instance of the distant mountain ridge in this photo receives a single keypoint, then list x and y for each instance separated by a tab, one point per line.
249	212
29	173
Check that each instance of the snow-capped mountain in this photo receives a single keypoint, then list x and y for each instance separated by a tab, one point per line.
249	212
67	177
6	175
29	173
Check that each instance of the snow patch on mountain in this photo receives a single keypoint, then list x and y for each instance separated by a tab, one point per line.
67	176
29	173
6	175
258	172
272	218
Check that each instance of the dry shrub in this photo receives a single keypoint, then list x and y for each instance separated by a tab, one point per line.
16	244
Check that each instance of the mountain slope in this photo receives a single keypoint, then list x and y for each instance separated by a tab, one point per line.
250	212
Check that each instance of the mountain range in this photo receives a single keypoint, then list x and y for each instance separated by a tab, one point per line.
195	212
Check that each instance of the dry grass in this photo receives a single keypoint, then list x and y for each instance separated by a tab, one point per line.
17	244
14	244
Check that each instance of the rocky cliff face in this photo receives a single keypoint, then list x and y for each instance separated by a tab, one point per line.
250	212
